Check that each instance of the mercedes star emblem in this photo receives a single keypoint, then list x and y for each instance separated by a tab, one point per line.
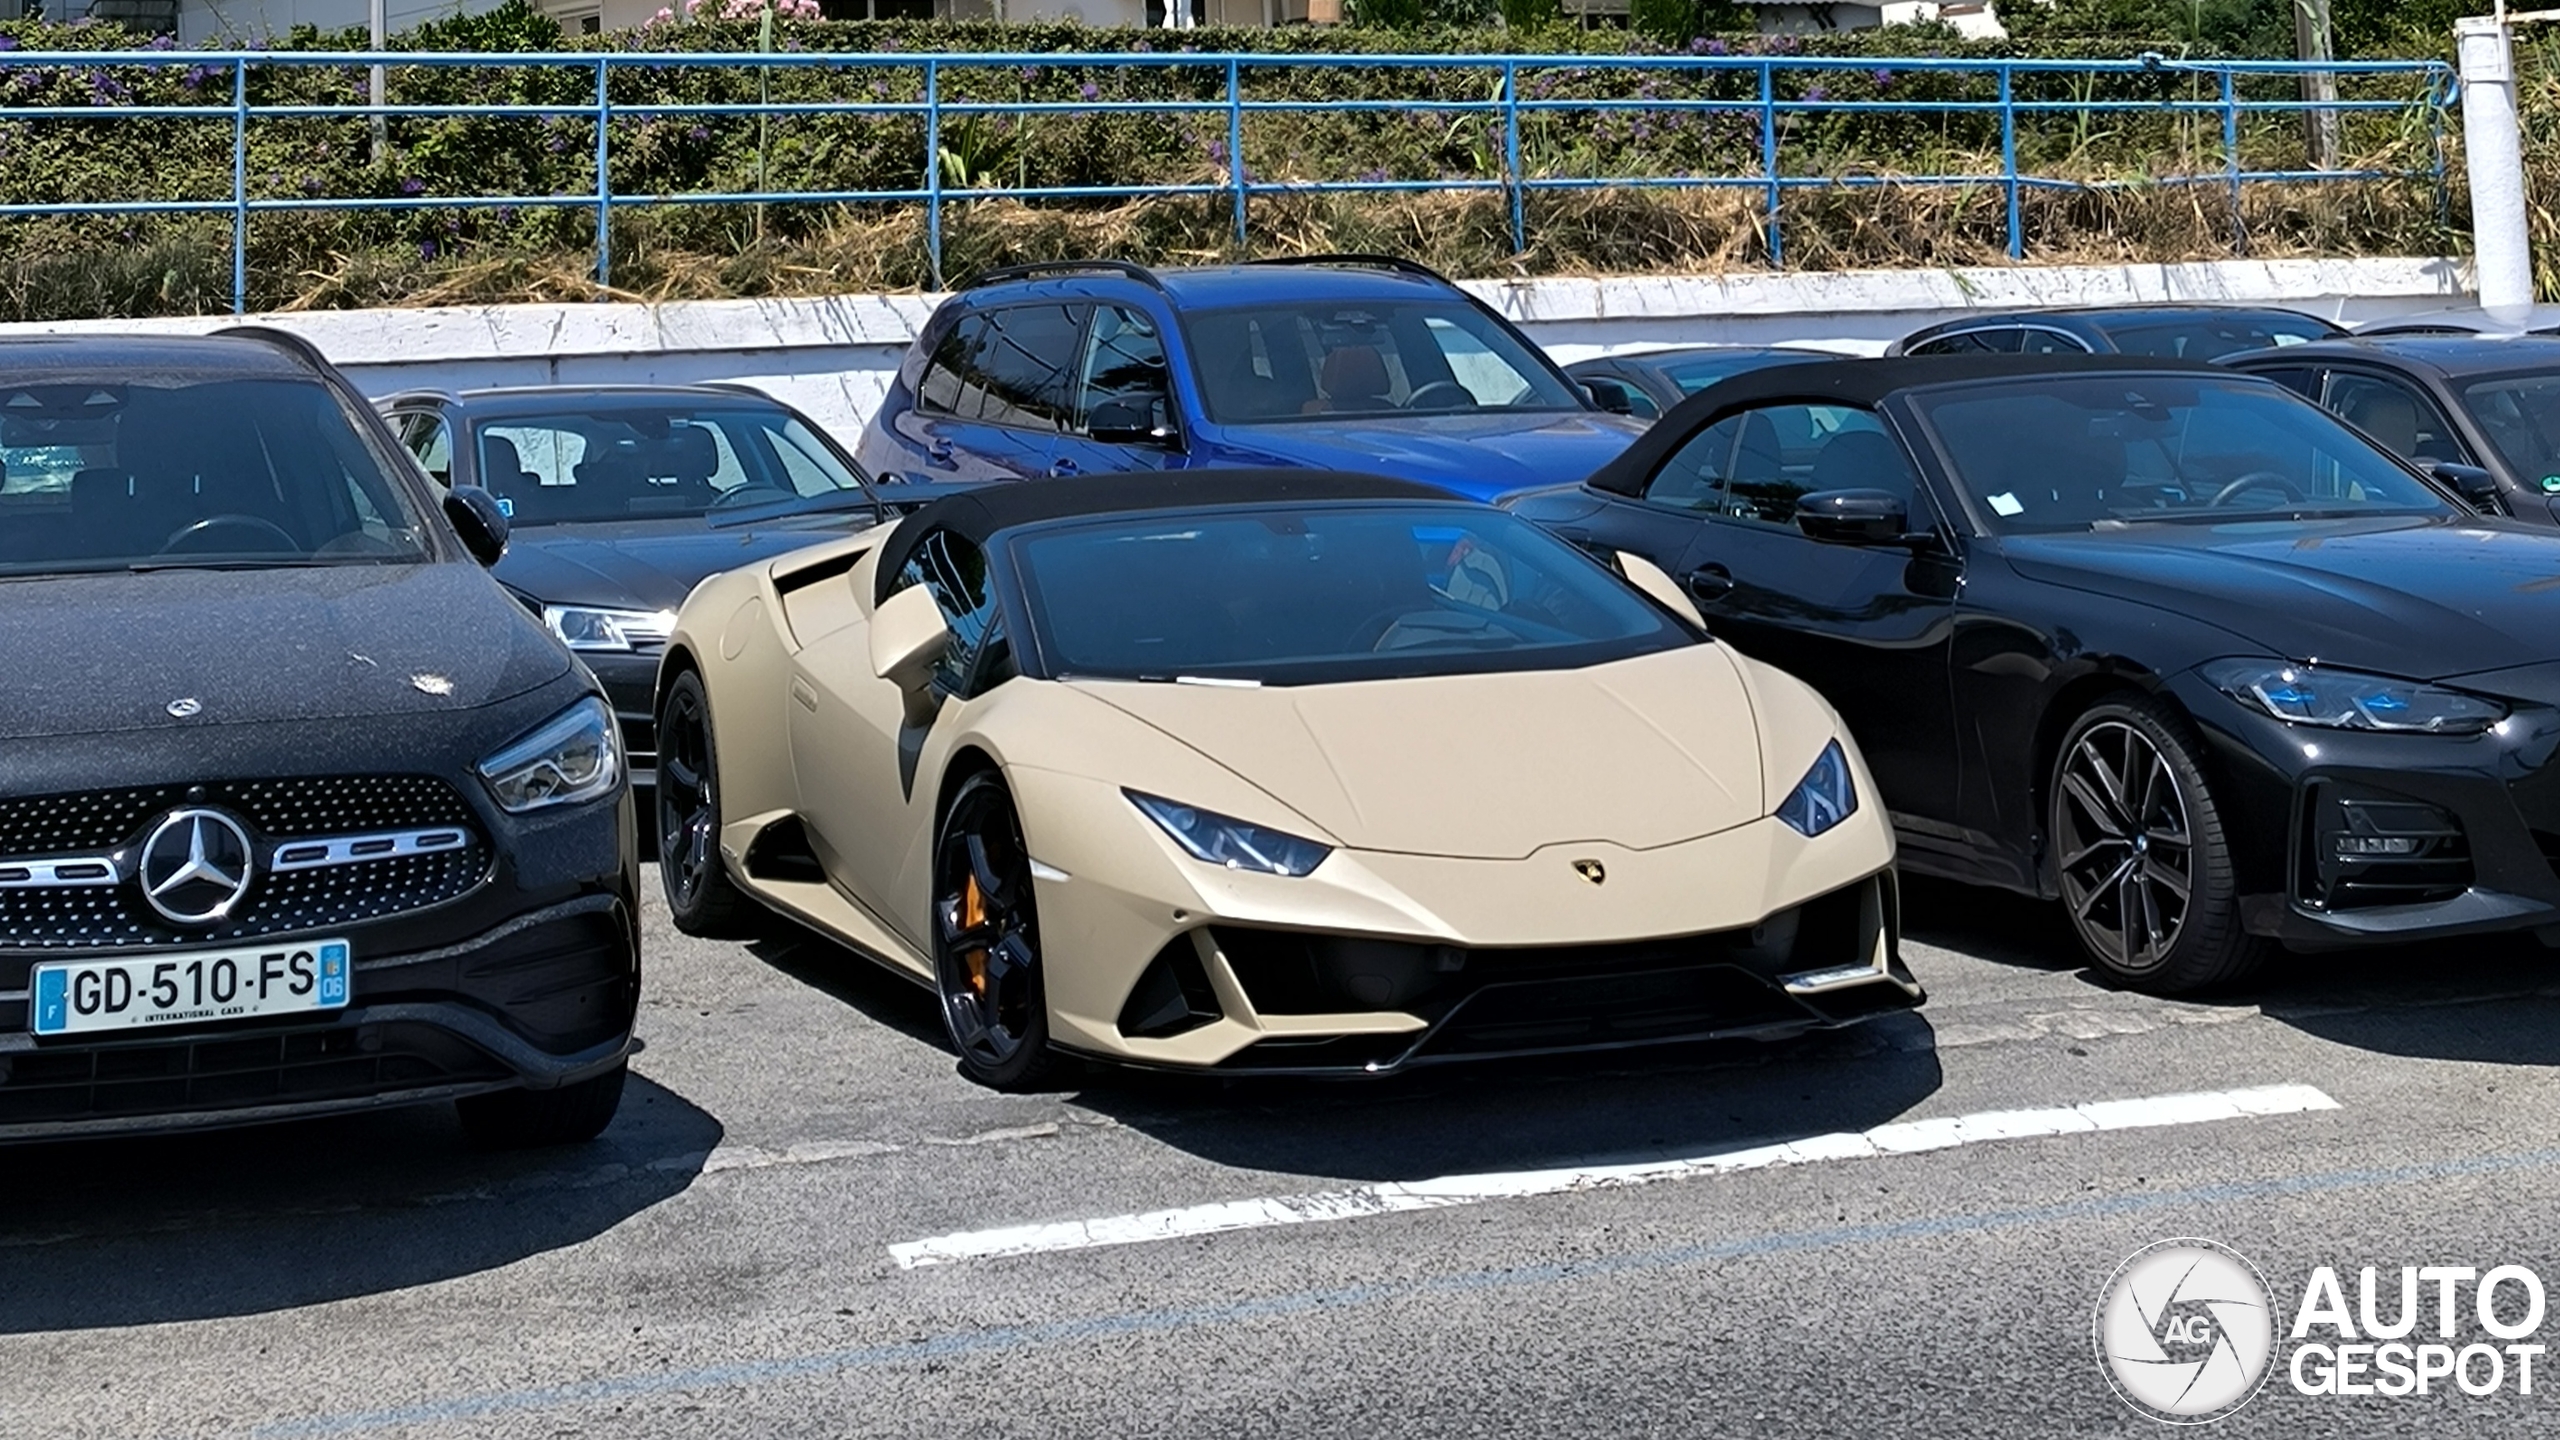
185	706
196	866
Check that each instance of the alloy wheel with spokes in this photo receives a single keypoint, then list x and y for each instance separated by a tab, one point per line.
700	896
2139	852
987	939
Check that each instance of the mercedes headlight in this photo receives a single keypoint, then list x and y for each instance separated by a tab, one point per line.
1824	797
574	756
2345	700
1232	843
590	627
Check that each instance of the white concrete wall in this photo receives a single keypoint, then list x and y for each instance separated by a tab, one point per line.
832	357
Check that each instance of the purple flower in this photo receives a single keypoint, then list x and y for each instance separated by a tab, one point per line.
413	187
889	44
1089	90
1718	47
426	249
1030	72
1218	151
1698	45
161	42
1884	79
555	144
698	133
310	184
8	42
1816	94
1374	175
196	75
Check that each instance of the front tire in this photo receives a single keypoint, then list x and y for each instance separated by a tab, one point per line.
987	959
528	1119
2141	856
700	896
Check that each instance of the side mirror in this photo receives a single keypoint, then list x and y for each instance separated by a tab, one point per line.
908	638
1117	422
1853	517
1651	579
2475	484
479	519
1610	395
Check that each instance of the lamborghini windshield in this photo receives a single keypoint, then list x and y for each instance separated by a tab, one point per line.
1321	593
2080	452
151	468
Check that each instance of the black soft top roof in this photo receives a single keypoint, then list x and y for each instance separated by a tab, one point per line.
978	515
1860	383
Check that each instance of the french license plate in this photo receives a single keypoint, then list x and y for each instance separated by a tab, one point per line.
130	993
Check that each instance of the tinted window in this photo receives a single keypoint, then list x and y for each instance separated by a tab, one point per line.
1785	452
1124	364
1317	594
190	469
2302	380
2205	337
1285	362
2521	415
1692	376
2406	422
635	462
2060	453
2034	340
1695	476
431	440
2003	341
1008	366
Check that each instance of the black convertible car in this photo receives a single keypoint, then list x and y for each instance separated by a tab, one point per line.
299	812
2167	643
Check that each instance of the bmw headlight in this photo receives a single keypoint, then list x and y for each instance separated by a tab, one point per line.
2345	700
1824	797
573	756
589	627
1233	843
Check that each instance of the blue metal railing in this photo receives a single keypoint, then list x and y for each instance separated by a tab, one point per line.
2424	90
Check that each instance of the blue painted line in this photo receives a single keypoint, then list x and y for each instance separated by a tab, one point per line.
1010	1338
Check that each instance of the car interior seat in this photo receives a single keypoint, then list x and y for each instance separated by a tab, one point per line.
1862	460
503	473
2388	416
1759	487
1353	377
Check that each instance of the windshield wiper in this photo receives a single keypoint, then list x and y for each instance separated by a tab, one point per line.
888	500
187	562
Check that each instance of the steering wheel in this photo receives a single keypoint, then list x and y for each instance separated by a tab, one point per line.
184	541
2255	480
1463	394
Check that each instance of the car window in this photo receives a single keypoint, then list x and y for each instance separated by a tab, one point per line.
621	460
1326	593
1289	362
2055	453
1692	376
2036	340
2521	416
121	469
2406	422
2208	336
1785	452
954	572
2303	380
1694	477
428	437
1124	363
2003	340
1012	366
938	389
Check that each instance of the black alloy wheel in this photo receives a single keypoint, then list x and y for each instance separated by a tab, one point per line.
987	940
2140	855
700	895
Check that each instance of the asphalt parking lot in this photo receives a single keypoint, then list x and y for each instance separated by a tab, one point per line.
787	1232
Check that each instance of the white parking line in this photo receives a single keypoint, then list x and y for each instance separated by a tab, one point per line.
1903	1138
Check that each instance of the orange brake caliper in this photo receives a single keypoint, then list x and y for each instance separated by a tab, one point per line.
973	913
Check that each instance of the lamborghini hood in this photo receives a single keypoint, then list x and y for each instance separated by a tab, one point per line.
1643	752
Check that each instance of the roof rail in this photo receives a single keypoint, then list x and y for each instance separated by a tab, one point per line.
284	340
1355	261
1127	269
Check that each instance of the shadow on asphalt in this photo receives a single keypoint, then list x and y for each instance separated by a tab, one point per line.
143	1230
2488	998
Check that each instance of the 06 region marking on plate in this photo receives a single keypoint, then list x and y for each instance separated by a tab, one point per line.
1902	1138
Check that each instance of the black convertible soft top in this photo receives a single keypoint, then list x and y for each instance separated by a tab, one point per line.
977	515
1862	383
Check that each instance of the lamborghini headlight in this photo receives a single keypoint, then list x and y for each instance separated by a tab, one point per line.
571	757
1220	840
1824	797
2345	700
590	627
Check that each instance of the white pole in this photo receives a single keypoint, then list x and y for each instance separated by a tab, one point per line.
2493	151
381	136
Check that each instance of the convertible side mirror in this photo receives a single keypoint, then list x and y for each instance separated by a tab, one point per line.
480	520
1652	580
1117	422
909	638
1610	395
1853	517
2475	484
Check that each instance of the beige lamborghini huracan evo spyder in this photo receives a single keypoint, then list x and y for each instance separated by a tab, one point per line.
1269	771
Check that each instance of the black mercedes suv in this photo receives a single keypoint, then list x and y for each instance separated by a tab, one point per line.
299	811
